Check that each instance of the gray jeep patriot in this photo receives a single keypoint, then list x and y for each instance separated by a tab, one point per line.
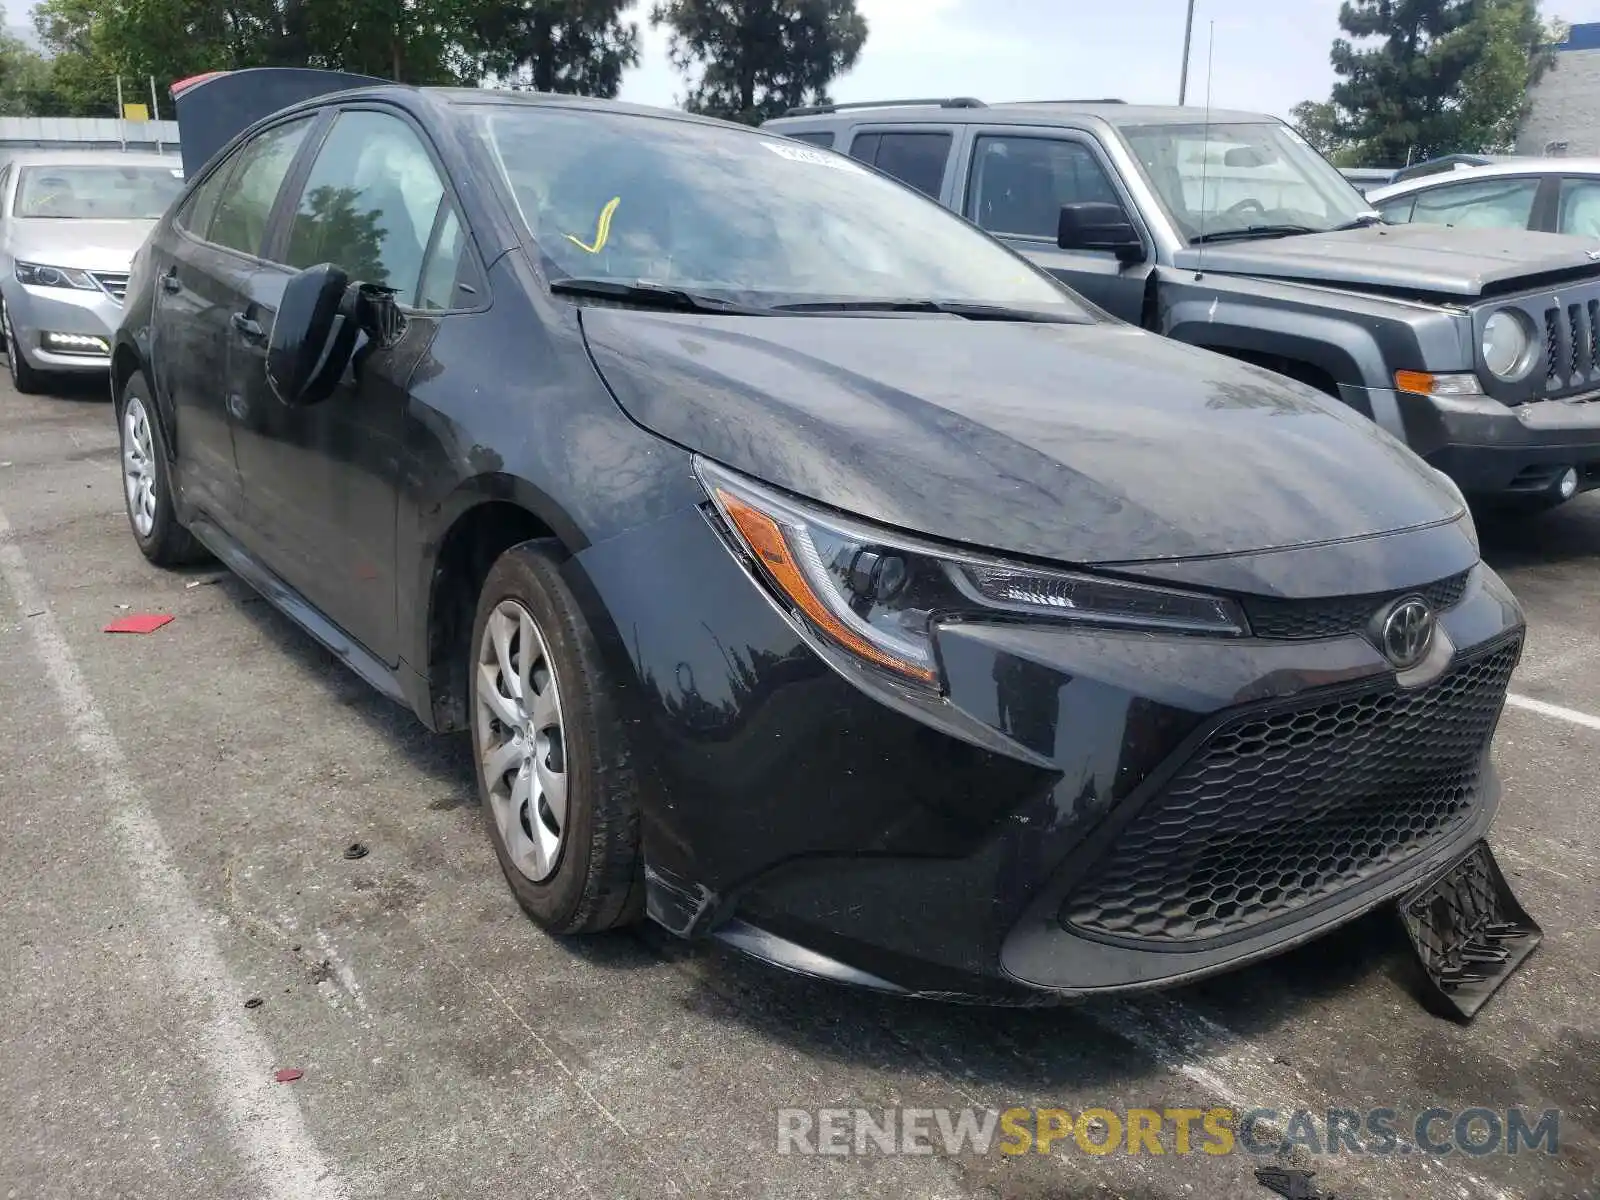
1480	348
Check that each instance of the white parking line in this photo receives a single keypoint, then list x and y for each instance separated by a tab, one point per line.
1553	710
262	1116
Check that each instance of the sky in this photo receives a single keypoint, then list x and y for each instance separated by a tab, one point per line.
1062	49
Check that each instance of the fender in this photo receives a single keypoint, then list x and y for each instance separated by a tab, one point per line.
434	524
1349	353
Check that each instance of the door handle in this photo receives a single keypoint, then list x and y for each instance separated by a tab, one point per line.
169	282
248	328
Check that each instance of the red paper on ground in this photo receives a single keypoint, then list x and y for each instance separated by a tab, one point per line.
143	623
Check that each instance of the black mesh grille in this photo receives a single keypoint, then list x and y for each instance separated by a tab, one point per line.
1335	616
1280	811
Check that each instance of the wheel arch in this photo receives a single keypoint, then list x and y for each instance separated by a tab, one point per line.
483	519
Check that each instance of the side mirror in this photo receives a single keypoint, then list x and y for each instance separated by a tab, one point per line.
1093	225
311	339
314	334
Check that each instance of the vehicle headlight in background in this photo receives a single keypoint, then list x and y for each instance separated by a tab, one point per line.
878	594
40	275
1506	342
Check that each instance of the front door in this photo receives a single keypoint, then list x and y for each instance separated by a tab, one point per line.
203	271
1017	183
321	482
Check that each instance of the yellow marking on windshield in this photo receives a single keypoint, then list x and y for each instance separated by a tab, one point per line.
602	229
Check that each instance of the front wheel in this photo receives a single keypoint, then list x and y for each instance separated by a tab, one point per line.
555	776
24	377
146	482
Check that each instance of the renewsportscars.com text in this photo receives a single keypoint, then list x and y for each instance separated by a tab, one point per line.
1476	1131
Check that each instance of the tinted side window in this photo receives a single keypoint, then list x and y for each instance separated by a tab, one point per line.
369	203
1020	183
195	215
1580	207
817	137
914	158
865	147
1484	204
244	202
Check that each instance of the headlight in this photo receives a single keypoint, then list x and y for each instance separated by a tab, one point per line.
62	277
879	595
1506	340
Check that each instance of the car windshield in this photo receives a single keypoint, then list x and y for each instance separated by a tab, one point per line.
114	192
744	215
1231	178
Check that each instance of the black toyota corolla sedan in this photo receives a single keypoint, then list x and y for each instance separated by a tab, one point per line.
809	570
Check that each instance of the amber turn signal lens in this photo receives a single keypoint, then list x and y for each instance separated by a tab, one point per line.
766	539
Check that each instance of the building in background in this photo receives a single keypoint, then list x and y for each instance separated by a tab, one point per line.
1565	115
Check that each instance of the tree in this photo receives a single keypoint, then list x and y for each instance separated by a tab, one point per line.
1318	123
576	46
1421	78
95	41
1510	50
25	89
748	60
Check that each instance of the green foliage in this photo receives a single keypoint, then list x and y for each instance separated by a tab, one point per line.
574	46
748	60
24	79
1422	78
1318	122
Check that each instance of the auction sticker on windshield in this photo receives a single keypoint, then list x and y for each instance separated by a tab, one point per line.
817	158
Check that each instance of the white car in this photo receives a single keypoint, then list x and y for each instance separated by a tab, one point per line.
70	222
1553	195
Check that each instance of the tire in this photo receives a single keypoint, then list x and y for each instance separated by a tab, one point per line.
151	516
24	377
591	878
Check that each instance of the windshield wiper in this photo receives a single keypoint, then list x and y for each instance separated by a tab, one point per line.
653	295
1252	231
954	308
1364	221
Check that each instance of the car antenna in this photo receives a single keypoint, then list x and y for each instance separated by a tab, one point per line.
1205	154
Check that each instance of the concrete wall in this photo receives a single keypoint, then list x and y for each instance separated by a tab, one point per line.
1566	102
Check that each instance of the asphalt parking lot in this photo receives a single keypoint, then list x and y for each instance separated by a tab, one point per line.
173	823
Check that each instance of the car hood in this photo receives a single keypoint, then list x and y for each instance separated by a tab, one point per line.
1425	259
87	245
1076	443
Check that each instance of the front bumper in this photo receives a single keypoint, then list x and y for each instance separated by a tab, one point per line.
39	311
840	829
1493	449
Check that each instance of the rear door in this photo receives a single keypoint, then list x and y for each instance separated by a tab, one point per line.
322	482
1016	183
208	261
917	155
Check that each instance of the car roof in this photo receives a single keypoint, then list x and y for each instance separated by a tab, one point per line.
1515	166
91	158
1037	112
469	97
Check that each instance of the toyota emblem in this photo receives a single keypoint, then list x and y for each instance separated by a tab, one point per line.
1408	632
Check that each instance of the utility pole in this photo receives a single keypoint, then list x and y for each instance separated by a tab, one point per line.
1183	79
